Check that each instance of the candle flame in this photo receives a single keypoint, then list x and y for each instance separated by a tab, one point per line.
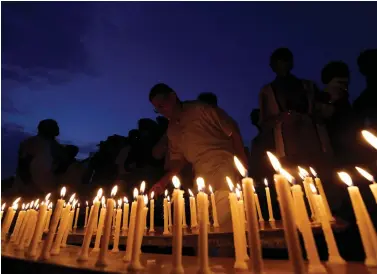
119	203
168	199
32	204
253	188
15	206
136	193
47	197
274	161
370	138
345	178
72	198
265	182
78	205
176	182
3	207
63	191
313	171
142	187
313	188
50	206
74	203
365	174
238	193
99	193
103	201
287	176
241	169
238	186
27	206
152	195
23	207
302	172
210	189
230	183
36	202
87	204
125	200
114	191
17	200
190	192
166	193
200	183
36	207
146	200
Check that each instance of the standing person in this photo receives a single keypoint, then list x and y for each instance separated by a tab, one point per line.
203	136
35	171
288	108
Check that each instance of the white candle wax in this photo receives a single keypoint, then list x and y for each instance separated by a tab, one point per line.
214	209
193	217
169	214
86	215
269	205
242	221
8	219
131	232
77	216
38	230
67	229
257	204
151	217
23	226
100	229
203	233
55	250
309	195
118	220
126	208
17	227
95	228
318	183
25	230
166	217
184	221
30	230
177	231
51	232
48	219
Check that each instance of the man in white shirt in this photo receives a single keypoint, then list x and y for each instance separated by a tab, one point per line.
205	136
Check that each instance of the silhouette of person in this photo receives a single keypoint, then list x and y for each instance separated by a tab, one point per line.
201	135
288	109
36	163
365	105
208	98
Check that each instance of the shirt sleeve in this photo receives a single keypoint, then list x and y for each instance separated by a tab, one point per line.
225	122
175	154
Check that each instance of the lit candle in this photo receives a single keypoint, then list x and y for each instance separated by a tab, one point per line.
237	231
309	195
23	224
77	216
84	251
269	205
369	177
54	223
131	230
184	223
86	214
303	224
30	228
118	220
139	231
193	217
38	230
8	219
55	250
242	220
26	225
166	215
19	220
332	248
2	210
203	227
257	204
151	214
287	214
95	228
177	231
214	209
48	217
68	228
367	231
126	209
323	194
101	261
255	249
169	213
145	213
370	138
102	215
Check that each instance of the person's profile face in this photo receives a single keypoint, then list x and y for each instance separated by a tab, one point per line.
164	104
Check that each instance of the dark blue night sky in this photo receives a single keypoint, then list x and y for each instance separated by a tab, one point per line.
90	65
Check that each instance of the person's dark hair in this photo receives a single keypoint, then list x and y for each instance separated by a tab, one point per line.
282	54
254	117
48	128
336	69
147	124
71	151
208	98
367	62
160	89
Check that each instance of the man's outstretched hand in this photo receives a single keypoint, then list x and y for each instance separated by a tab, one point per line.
158	189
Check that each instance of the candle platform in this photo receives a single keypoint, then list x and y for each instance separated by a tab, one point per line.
218	238
66	263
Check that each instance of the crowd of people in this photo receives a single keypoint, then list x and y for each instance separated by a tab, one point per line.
301	124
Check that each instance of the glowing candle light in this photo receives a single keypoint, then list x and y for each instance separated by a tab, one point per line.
8	219
193	216
77	215
68	228
23	223
177	231
151	214
19	220
269	204
166	215
307	180
131	230
84	251
287	213
369	177
54	223
126	209
48	217
145	212
214	209
169	213
100	225
26	225
257	204
32	252
364	223
86	214
333	252
2	210
203	227
102	260
370	138
118	220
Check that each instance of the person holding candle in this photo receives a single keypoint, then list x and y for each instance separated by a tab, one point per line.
193	129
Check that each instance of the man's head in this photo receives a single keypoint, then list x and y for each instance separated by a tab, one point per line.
281	61
367	63
208	98
48	128
254	117
164	99
335	75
